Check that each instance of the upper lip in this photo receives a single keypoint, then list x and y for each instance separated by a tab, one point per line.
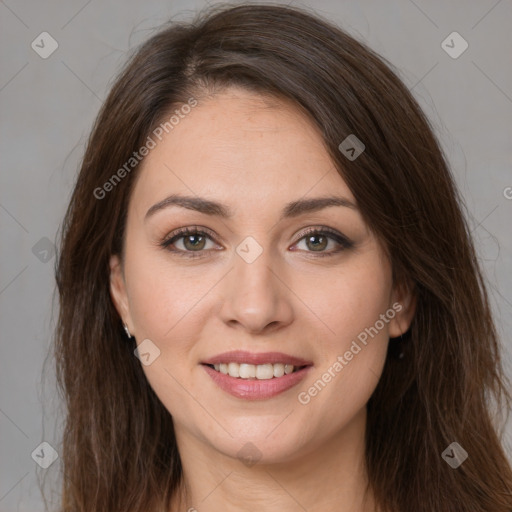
241	356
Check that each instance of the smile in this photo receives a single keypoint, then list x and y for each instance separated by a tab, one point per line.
255	371
256	388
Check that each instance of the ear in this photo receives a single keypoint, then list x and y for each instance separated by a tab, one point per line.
118	291
403	302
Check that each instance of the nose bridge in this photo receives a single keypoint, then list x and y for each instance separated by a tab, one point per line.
255	297
253	267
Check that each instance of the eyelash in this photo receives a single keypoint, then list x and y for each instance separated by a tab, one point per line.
344	242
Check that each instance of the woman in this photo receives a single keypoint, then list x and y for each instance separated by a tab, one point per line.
269	296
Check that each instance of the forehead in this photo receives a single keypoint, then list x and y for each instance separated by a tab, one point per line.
243	148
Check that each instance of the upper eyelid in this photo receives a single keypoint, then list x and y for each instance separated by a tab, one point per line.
183	232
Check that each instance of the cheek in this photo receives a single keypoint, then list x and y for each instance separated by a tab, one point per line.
349	301
168	307
164	297
354	344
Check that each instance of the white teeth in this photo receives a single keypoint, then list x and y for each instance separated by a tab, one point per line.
278	370
234	369
255	371
246	371
265	371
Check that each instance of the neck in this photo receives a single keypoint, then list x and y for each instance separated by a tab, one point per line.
328	477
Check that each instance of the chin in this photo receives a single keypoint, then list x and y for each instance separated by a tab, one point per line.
263	440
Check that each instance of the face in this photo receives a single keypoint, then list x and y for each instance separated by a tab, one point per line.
262	274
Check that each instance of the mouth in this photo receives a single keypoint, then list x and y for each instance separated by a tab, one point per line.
256	376
248	371
254	388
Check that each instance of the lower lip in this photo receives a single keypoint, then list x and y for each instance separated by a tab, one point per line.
256	389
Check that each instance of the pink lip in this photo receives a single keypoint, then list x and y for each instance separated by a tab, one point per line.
255	389
241	356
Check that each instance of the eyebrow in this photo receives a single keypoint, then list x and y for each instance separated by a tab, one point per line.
209	207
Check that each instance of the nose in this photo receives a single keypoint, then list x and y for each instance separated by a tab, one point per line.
257	298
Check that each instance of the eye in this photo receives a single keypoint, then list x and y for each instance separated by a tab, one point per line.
316	240
187	241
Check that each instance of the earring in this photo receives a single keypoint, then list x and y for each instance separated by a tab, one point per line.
127	331
396	348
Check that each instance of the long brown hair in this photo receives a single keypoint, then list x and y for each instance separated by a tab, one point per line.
119	450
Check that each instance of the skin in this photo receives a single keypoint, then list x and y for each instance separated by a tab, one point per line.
255	154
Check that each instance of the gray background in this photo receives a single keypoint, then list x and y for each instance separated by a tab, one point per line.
47	107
